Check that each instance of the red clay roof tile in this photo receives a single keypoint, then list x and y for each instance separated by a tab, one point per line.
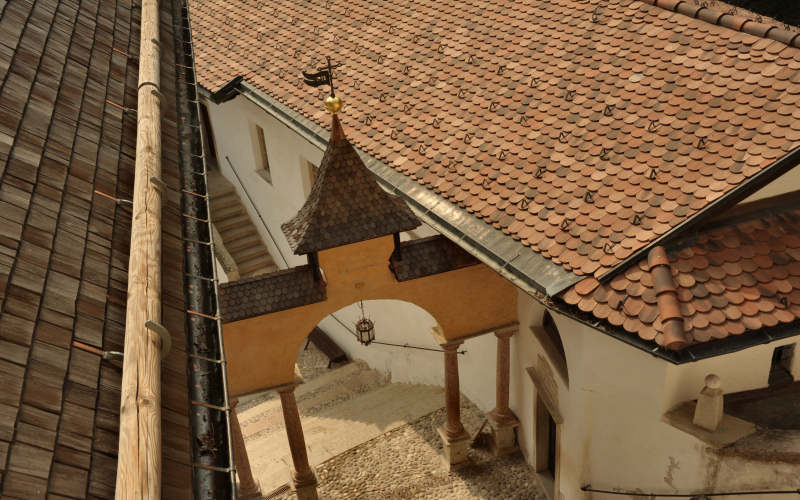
516	111
729	299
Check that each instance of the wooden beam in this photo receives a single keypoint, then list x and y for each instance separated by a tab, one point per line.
139	458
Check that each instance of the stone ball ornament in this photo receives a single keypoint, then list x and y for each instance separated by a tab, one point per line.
712	381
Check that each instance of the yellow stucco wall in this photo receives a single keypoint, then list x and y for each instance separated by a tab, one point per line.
261	351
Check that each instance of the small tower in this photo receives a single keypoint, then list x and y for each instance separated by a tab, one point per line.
346	204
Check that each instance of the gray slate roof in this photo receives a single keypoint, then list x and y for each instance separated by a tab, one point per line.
427	256
346	205
268	293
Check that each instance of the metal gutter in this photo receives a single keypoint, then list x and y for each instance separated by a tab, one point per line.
213	469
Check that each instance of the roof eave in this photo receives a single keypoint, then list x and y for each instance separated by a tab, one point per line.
510	258
516	262
713	209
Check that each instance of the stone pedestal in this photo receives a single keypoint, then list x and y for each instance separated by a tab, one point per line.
709	409
503	437
304	490
455	448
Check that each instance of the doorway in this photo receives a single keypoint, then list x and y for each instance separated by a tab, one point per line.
546	447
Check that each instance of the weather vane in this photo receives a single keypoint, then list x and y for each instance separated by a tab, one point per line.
324	76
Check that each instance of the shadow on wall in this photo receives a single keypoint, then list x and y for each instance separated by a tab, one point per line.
400	323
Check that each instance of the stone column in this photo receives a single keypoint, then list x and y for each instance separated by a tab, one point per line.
304	482
247	485
502	420
456	439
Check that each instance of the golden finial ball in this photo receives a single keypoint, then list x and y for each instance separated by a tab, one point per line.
334	104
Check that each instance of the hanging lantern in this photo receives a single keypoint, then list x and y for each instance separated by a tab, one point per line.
365	328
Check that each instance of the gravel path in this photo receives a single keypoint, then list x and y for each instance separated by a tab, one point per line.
406	462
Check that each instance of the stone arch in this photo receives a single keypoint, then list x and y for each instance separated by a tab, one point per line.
550	339
397	322
470	300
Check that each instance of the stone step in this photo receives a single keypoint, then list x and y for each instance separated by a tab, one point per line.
221	191
241	220
260	271
250	253
335	386
338	428
254	265
225	202
233	234
243	243
227	213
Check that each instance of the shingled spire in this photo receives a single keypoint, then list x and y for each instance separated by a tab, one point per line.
346	205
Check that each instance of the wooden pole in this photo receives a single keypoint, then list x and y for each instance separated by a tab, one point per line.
139	458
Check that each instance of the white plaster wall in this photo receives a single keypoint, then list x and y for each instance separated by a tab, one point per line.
739	371
399	322
613	435
524	351
233	125
790	181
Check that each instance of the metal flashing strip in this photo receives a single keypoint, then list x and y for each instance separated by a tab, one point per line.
510	258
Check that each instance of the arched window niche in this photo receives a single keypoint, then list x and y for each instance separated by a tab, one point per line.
550	340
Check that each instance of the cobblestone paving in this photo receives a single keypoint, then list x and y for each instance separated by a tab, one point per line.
406	463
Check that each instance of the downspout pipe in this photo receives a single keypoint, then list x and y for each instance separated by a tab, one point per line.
139	451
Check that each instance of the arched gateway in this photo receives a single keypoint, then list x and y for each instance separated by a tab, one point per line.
349	229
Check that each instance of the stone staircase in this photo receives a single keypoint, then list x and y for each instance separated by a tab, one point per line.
239	236
340	409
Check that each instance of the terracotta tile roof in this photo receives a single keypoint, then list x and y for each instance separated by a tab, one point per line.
732	280
345	205
585	130
268	293
64	140
427	256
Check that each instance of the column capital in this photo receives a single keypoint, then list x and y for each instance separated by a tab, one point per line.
506	333
283	389
451	346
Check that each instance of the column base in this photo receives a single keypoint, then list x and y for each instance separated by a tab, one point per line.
503	437
305	489
455	449
249	494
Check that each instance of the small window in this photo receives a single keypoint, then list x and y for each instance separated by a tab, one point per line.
549	338
264	159
309	176
781	370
